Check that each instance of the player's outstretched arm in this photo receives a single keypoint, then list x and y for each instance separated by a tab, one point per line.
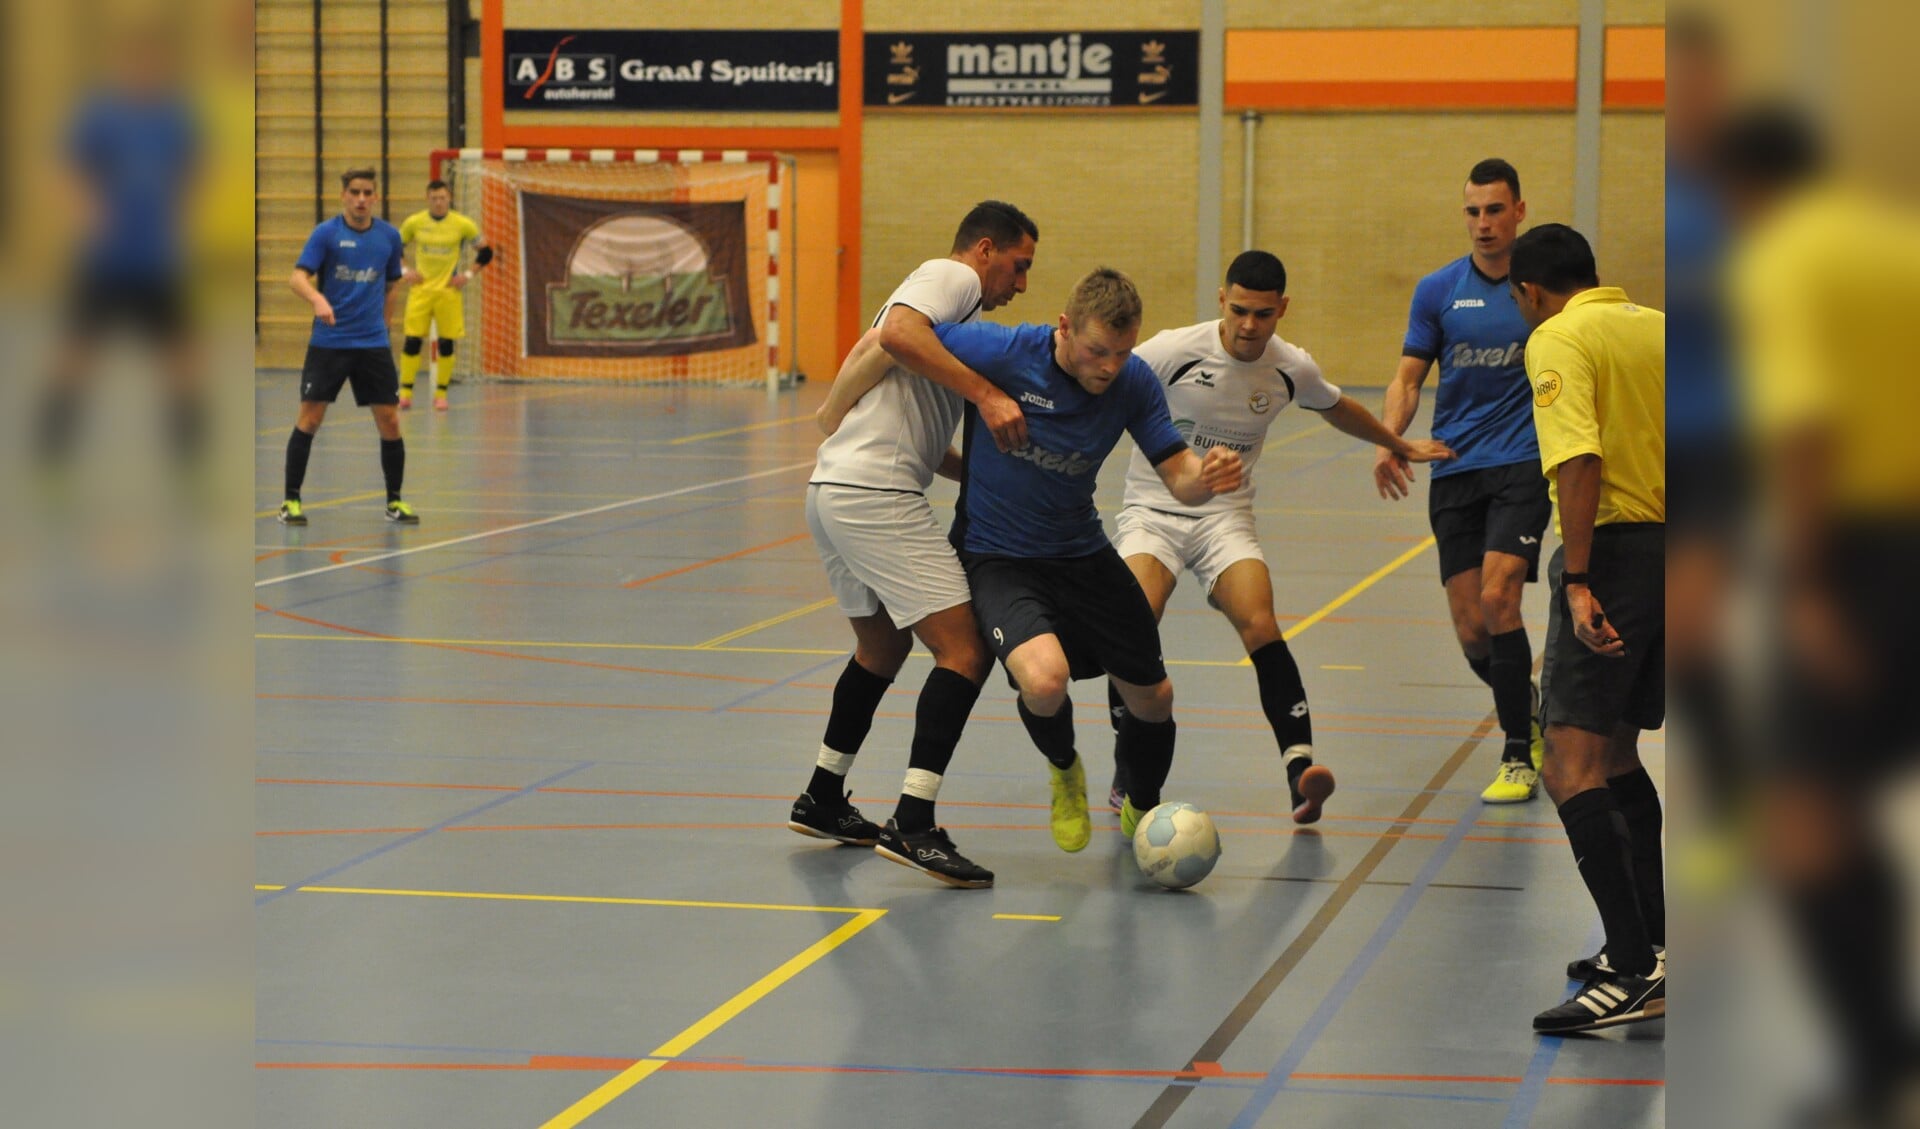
1352	417
864	367
1194	480
907	335
1392	475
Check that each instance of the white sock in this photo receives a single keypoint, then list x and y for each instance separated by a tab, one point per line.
1296	752
922	785
836	763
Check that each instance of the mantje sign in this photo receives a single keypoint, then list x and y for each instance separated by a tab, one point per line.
1102	70
673	70
613	278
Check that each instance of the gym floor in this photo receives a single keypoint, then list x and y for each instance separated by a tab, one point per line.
524	769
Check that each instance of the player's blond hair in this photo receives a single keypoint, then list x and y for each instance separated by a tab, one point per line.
1106	296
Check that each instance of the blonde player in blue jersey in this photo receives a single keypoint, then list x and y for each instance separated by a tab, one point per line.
437	236
1226	381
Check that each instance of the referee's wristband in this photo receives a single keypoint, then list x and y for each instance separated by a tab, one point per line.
1580	578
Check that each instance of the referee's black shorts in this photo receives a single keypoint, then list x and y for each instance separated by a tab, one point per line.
1092	603
1599	693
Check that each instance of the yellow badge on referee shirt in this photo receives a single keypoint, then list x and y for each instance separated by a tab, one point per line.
1547	389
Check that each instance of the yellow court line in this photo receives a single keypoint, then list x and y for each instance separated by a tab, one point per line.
683	1042
582	899
765	623
1340	601
781	422
1338	666
1315	429
348	500
533	644
1025	917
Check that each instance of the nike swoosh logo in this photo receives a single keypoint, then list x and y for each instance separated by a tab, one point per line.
896	99
1146	98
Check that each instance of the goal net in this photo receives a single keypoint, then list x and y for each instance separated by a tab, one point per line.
628	266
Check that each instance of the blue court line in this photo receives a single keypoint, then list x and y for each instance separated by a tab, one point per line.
1533	1084
509	797
780	685
1322	1017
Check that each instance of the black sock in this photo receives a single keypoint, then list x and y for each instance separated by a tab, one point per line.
1053	736
1482	668
393	460
1116	712
299	446
1282	695
1148	752
945	701
855	696
1852	934
1510	673
1639	803
1703	703
1603	850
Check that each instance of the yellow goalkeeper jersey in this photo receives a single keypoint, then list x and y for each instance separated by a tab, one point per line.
436	245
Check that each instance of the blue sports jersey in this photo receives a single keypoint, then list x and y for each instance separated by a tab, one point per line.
138	156
1038	501
1483	408
1701	403
352	269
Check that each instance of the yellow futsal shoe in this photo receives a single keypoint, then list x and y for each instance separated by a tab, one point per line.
1129	819
1072	828
1516	784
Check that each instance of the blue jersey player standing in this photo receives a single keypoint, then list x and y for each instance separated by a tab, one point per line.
1053	598
347	272
1488	506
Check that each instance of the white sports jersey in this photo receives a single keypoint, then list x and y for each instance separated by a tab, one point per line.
1217	401
894	438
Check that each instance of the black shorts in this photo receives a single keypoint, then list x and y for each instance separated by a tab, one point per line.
370	371
1092	603
1594	692
154	308
1857	729
1502	509
1709	486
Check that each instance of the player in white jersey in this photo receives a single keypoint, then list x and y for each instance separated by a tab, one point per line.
1226	381
887	557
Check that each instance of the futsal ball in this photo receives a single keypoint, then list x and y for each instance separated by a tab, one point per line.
1176	845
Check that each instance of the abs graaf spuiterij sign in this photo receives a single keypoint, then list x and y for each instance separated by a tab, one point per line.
1092	70
610	278
672	70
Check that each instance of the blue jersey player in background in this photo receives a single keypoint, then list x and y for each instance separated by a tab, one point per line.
1053	598
1488	506
347	272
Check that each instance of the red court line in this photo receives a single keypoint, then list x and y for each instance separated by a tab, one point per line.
1200	1070
508	654
385	784
716	560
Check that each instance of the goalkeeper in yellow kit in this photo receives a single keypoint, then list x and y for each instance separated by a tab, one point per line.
436	236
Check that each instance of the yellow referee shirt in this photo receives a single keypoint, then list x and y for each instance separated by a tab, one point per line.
436	245
1599	375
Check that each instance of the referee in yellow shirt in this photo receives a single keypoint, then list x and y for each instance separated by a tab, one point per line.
437	236
1597	363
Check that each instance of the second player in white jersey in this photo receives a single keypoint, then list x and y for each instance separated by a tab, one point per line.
1219	400
1226	381
886	555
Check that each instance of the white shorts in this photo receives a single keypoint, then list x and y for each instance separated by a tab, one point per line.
884	548
1205	546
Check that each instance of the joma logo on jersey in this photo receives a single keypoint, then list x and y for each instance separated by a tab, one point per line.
1072	464
1466	356
1036	400
1469	303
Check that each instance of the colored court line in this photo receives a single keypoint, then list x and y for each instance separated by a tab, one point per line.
710	561
784	421
770	621
580	899
1339	666
348	500
526	525
1026	917
329	872
1344	598
632	1076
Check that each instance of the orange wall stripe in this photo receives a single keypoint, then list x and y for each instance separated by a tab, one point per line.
1364	95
